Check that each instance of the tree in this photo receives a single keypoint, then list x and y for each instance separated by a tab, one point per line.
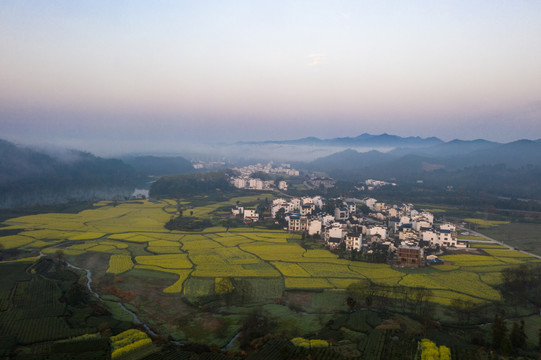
363	209
499	331
463	308
331	205
255	325
518	336
76	294
280	217
351	303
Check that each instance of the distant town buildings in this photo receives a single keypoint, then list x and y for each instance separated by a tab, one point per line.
372	184
246	179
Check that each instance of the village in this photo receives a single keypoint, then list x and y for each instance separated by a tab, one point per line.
400	234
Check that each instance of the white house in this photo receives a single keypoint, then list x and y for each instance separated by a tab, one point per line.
353	241
430	236
352	207
239	183
341	214
297	223
237	210
327	220
295	204
377	230
417	225
317	201
251	214
334	235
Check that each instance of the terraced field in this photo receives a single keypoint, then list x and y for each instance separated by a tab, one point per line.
132	234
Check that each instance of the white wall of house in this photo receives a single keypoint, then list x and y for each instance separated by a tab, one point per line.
336	232
405	220
314	227
353	242
418	224
250	214
327	220
430	236
377	230
317	201
296	204
448	226
341	213
446	239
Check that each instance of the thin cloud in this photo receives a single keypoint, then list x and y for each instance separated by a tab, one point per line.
317	59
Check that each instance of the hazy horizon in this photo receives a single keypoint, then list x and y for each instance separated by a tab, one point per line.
123	77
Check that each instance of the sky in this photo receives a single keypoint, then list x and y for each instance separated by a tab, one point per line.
121	76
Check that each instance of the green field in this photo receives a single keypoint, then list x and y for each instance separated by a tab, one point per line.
525	236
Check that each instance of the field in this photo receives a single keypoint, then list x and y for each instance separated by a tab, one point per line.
525	236
483	223
261	263
115	229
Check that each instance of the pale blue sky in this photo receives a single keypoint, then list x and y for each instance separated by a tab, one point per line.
113	75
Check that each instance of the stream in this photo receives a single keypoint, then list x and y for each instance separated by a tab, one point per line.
230	343
88	285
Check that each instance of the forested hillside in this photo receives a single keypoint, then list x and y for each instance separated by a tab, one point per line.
29	176
174	186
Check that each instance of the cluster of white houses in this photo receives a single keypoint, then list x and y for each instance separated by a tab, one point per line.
246	181
399	228
371	184
269	168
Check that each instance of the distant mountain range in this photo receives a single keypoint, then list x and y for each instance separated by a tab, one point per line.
363	140
455	154
512	169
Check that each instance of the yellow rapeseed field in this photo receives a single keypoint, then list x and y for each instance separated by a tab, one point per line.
485	223
128	341
169	261
290	269
15	241
127	229
308	283
119	264
284	252
230	270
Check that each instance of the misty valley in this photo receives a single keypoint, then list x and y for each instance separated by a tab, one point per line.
428	249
